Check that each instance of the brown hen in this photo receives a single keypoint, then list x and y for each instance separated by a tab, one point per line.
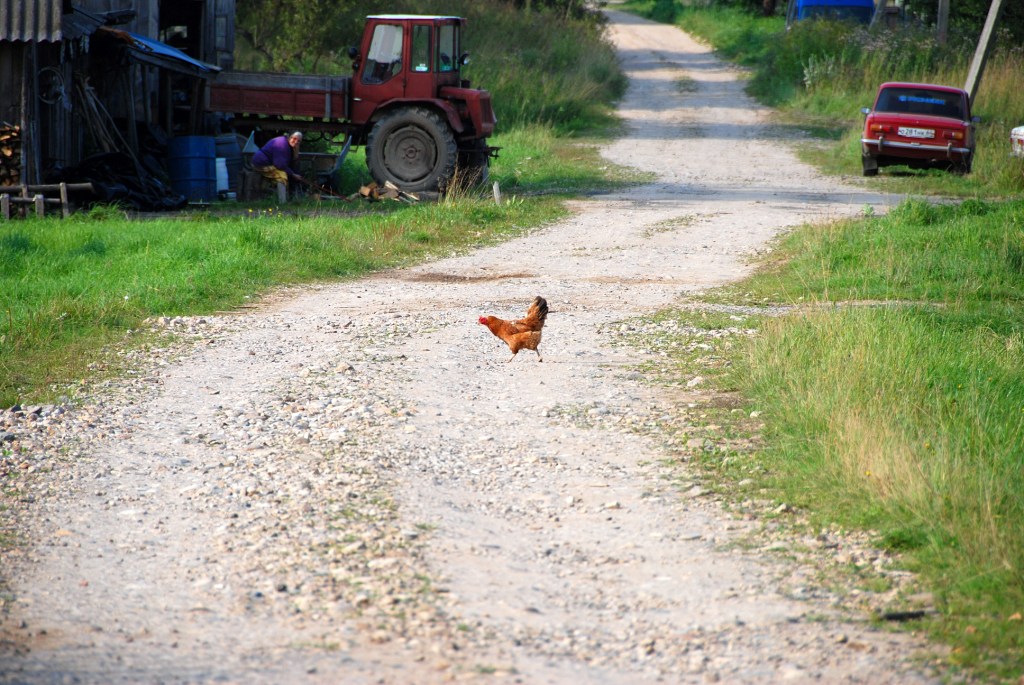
523	334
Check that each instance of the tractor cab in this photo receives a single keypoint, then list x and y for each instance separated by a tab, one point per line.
405	57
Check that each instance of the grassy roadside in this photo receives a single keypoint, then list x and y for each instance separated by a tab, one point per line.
883	357
897	403
884	361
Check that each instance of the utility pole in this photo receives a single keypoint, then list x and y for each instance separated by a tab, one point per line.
983	49
879	12
942	22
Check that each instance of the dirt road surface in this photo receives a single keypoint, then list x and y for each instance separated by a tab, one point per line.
351	485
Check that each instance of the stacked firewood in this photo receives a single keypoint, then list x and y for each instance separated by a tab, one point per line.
10	154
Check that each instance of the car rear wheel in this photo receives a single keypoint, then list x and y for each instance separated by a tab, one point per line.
870	165
964	167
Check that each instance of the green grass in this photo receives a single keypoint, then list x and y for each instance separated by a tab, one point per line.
968	255
541	69
69	287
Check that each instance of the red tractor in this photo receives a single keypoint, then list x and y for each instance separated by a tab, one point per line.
405	102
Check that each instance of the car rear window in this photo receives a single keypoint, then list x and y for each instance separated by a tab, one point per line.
917	101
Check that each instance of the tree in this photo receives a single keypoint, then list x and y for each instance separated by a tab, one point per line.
304	37
568	9
967	17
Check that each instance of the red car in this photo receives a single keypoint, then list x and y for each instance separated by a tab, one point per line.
919	125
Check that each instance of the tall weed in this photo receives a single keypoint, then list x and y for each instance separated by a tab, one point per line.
543	70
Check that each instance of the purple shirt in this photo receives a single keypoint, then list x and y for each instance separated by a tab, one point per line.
277	152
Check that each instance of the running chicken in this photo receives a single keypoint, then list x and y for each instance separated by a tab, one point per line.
523	334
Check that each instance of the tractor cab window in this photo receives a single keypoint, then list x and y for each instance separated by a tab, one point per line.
420	48
447	47
385	57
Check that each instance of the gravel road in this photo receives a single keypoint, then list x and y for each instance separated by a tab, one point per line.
349	484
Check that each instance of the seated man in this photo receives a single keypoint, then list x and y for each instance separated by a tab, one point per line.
274	161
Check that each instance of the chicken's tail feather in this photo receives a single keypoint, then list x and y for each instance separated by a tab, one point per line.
538	310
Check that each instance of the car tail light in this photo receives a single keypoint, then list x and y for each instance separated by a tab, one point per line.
954	135
881	128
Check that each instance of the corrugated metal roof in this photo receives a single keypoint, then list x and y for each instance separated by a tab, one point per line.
152	51
33	20
43	20
80	23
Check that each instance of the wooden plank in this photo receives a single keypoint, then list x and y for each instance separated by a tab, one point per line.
56	187
32	200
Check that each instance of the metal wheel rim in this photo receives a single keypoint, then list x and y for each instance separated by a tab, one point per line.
410	154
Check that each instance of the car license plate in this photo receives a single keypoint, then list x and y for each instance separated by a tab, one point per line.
907	132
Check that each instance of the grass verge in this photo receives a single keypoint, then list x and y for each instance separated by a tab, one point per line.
886	367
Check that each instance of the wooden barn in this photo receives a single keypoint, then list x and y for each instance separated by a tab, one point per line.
104	82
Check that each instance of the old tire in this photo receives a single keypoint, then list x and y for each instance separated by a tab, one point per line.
414	148
965	165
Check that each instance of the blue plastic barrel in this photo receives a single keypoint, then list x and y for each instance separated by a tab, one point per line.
192	167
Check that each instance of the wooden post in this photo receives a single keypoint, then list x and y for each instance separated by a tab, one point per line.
981	53
942	22
195	122
167	99
133	133
65	211
5	206
40	203
879	12
34	128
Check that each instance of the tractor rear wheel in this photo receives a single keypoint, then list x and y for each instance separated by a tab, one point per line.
414	148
